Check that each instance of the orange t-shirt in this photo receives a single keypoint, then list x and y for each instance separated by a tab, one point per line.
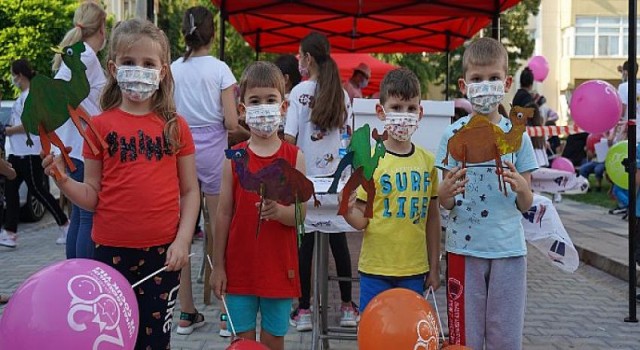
139	199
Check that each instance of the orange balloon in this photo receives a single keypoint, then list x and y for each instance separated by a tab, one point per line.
398	319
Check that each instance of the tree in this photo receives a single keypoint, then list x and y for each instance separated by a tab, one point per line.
28	29
514	35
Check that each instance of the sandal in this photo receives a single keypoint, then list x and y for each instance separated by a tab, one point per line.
4	299
196	320
224	331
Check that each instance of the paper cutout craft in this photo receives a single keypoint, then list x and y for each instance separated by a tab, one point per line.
481	141
363	163
51	102
278	181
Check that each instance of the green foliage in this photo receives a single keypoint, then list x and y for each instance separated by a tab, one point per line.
601	198
28	29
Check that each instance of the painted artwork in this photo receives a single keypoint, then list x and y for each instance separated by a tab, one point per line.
51	102
364	163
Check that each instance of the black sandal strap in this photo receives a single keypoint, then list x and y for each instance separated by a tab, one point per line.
191	317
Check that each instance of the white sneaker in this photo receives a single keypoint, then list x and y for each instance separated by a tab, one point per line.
350	315
7	240
301	319
557	198
62	240
224	333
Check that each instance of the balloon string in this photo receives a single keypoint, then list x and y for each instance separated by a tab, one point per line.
224	302
435	304
153	274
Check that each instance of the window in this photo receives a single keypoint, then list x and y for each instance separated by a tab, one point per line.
601	36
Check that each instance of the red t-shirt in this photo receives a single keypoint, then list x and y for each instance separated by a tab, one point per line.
267	265
139	199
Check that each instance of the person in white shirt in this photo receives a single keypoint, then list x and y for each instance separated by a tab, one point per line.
204	96
319	113
26	162
89	26
623	92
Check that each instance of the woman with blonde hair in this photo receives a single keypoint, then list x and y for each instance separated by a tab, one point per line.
89	26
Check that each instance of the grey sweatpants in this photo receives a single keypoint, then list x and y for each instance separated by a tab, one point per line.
486	301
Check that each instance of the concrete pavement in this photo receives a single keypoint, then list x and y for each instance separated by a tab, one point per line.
583	310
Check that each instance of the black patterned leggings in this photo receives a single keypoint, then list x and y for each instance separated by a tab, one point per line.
156	296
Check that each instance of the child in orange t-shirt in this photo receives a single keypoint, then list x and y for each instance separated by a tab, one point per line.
143	186
257	272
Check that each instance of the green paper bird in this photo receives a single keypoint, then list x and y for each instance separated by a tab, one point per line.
51	102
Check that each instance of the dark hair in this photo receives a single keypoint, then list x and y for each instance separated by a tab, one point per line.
288	64
198	28
625	66
23	67
538	142
329	110
261	74
401	83
526	78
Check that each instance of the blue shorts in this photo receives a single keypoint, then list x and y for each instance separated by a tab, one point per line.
243	310
372	285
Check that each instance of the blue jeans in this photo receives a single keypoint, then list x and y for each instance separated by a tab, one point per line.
79	243
592	167
372	285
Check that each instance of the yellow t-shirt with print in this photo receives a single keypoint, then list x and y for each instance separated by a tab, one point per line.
395	242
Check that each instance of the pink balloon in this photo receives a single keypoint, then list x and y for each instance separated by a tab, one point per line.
73	304
539	67
595	106
246	344
564	164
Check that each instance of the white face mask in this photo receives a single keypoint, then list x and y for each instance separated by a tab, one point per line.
485	96
401	125
264	119
15	82
138	83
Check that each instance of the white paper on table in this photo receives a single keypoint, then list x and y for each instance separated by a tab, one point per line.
321	184
602	148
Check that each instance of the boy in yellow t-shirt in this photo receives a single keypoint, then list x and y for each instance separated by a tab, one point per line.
401	245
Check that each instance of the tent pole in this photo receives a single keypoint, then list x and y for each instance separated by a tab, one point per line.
223	18
631	165
258	44
448	71
495	21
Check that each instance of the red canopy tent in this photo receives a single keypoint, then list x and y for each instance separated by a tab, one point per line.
348	61
362	25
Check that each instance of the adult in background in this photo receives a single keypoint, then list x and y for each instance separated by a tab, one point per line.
288	65
358	81
205	97
524	95
89	26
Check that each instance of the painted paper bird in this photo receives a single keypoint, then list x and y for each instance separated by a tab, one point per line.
51	102
278	181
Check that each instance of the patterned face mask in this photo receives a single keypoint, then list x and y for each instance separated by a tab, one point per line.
401	125
485	95
264	119
138	83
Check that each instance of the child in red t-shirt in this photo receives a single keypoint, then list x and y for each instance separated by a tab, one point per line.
142	187
257	272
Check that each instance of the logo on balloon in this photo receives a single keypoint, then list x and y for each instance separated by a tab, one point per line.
95	299
427	328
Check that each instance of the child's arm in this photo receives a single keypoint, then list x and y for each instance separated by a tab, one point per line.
7	170
434	232
229	108
520	184
355	213
178	252
83	194
221	233
452	184
286	215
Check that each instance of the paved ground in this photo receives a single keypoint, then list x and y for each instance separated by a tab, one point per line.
583	310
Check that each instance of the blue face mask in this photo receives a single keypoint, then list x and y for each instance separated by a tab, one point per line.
364	83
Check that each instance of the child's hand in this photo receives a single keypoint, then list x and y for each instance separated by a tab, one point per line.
352	200
51	163
518	183
270	210
453	183
434	279
7	170
218	281
177	255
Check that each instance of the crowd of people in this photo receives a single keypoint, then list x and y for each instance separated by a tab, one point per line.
296	109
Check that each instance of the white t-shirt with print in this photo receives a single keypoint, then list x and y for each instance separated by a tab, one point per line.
18	142
199	82
623	92
68	132
320	146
